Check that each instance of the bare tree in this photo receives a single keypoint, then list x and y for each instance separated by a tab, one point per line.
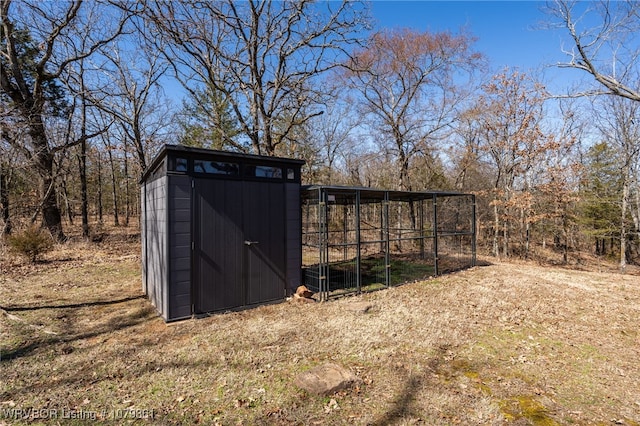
28	75
618	120
605	43
465	154
635	197
330	140
513	143
605	38
81	126
405	86
132	95
554	179
6	176
264	57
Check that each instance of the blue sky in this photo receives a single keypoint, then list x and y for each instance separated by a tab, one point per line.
509	33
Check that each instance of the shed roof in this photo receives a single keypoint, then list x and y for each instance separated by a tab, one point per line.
208	153
345	194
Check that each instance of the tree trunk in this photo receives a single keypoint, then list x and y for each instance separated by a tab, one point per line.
525	230
43	159
99	201
505	238
623	220
82	165
565	235
83	158
509	217
527	239
67	203
126	189
635	212
4	200
139	145
116	220
403	166
496	229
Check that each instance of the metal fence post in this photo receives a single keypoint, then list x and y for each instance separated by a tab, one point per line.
421	226
473	229
435	233
323	267
387	245
358	254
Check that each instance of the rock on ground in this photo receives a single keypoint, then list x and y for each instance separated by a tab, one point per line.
359	307
326	379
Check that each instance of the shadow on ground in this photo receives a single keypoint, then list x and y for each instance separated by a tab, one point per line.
71	306
112	322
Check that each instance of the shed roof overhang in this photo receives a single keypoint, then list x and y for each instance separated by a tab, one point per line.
347	194
204	153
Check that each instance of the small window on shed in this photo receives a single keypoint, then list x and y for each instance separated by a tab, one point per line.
180	164
216	167
264	172
158	170
291	174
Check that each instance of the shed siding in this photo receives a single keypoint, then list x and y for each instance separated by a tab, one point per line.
293	235
180	247
143	235
154	200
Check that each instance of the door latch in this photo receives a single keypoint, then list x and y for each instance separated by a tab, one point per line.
250	243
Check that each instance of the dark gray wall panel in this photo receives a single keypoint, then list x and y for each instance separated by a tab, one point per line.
182	240
180	262
180	246
178	228
155	258
143	236
182	214
293	236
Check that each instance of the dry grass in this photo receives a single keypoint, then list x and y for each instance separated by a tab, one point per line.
505	343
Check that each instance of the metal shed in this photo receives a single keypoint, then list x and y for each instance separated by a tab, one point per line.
220	230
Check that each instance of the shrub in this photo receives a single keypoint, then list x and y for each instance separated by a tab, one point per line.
31	243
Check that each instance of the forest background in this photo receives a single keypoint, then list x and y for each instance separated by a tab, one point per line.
85	103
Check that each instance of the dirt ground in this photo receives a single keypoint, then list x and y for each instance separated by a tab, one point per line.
506	343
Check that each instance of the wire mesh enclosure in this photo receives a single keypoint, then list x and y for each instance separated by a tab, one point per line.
360	239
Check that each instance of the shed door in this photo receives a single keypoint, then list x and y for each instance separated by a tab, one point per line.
239	243
264	220
217	230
